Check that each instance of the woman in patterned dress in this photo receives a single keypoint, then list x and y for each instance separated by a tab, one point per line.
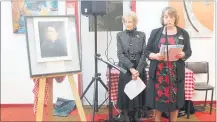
166	93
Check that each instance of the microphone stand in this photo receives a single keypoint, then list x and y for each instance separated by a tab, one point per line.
110	66
168	73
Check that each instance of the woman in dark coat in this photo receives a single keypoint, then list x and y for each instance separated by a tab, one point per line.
159	96
130	51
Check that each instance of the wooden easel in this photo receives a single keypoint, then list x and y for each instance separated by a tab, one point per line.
40	105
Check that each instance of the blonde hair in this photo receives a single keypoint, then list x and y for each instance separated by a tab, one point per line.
172	12
130	14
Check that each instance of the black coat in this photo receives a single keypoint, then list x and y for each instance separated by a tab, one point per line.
152	48
131	54
131	46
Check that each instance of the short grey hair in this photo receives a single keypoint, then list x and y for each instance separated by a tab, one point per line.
130	14
172	12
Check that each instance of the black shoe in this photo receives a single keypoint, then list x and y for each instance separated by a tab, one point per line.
121	118
181	113
137	115
165	115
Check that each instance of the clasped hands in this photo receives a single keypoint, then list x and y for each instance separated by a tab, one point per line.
134	73
157	56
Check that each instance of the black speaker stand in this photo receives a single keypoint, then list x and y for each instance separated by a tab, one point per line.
96	77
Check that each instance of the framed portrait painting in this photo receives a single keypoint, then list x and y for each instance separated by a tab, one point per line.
52	45
52	41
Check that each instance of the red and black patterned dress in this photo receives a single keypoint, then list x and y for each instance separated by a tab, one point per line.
162	91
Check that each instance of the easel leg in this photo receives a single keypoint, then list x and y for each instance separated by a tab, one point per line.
50	102
40	105
77	98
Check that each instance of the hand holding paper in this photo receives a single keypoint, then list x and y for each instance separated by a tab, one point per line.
173	51
180	55
156	56
134	87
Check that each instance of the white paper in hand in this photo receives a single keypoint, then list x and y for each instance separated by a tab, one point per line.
134	88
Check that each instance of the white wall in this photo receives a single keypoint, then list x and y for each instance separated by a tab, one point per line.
13	54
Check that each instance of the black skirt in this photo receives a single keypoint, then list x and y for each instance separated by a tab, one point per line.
123	102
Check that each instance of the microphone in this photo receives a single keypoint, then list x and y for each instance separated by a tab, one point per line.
165	25
167	61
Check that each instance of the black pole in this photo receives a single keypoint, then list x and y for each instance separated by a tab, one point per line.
168	73
96	67
95	96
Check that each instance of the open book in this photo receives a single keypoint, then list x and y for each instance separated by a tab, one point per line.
173	51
